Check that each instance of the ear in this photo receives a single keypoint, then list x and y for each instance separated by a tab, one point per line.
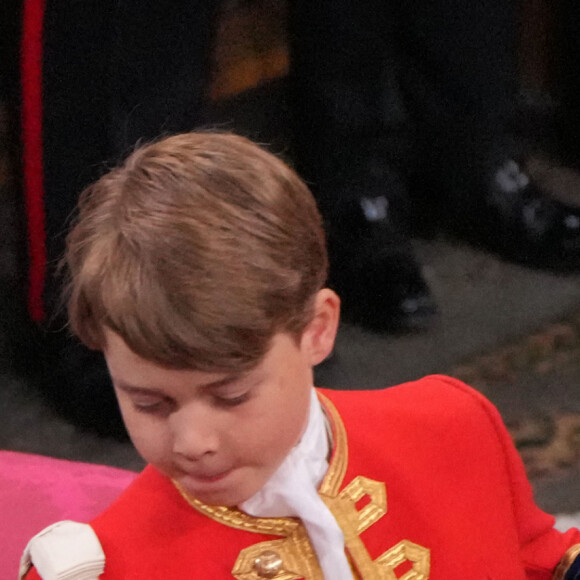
319	336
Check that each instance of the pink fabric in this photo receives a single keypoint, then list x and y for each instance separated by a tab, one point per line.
36	491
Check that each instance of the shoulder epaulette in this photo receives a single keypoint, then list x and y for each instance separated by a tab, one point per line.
64	551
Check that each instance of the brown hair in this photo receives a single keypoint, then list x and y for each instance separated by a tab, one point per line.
196	251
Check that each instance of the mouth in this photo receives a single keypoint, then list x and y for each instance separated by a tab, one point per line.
204	477
210	477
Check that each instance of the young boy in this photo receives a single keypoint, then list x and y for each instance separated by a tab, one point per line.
198	269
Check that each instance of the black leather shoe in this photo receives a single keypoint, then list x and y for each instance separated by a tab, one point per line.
374	270
494	203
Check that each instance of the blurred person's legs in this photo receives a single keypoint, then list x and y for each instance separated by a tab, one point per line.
465	94
10	12
567	40
112	73
354	146
10	19
373	80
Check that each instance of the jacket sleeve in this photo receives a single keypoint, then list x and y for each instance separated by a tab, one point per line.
546	553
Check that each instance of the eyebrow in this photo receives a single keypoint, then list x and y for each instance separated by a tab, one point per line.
134	389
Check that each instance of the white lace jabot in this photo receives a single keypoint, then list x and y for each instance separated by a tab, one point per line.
292	491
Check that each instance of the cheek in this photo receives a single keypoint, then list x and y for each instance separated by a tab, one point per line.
151	447
149	439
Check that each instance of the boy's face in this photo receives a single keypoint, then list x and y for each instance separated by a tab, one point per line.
221	436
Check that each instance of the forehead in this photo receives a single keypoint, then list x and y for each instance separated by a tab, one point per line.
128	369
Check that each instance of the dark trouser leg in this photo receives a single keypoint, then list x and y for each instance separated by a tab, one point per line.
76	115
465	54
460	81
568	75
10	17
160	67
353	146
348	107
115	72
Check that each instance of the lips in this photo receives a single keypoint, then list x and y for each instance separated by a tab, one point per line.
204	477
209	477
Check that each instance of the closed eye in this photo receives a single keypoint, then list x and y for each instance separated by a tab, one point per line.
148	401
152	406
232	401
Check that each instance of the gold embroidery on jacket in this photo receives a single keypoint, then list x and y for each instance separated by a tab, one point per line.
298	558
338	462
235	518
406	551
354	522
566	561
297	555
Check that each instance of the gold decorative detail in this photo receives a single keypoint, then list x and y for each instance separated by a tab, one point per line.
375	509
406	551
295	553
566	561
235	518
339	460
268	564
354	521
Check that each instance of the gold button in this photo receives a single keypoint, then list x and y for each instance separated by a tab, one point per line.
268	564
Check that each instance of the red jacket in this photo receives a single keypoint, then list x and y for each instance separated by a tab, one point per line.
423	477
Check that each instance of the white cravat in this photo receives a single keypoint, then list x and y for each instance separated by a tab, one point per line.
292	491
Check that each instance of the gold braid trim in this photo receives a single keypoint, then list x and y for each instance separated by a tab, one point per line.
338	462
235	518
566	561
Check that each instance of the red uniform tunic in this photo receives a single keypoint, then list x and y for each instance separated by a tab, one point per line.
424	481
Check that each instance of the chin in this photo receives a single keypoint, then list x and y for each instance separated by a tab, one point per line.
219	499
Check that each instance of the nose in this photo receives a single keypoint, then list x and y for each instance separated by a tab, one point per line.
194	433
